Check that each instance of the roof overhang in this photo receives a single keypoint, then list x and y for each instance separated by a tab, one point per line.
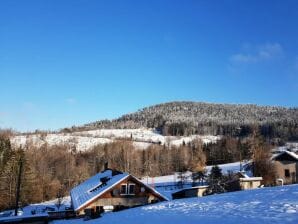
248	179
151	188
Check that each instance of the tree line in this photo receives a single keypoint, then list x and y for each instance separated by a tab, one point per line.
50	171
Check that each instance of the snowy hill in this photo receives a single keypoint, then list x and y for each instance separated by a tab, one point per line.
187	118
266	205
199	112
85	140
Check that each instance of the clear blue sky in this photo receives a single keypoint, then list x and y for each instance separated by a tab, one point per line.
66	63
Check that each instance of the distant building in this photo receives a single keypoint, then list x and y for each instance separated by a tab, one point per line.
247	183
198	191
286	165
111	189
241	181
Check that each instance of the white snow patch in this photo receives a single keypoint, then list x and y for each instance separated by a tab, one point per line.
86	140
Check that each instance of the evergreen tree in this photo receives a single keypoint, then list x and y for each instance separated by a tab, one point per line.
215	173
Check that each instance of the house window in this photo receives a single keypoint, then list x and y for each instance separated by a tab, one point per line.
123	189
127	189
287	173
131	189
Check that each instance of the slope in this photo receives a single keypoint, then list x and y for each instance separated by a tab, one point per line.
267	205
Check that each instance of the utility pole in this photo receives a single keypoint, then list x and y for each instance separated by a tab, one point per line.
18	186
240	160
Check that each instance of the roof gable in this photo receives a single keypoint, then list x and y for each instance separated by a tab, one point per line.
99	184
286	156
149	188
94	187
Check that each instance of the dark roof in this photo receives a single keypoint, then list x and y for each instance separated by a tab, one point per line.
286	156
189	189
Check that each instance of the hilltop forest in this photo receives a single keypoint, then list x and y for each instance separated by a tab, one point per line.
187	118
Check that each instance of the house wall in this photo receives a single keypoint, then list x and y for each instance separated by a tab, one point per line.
201	192
113	197
292	166
190	193
246	185
129	202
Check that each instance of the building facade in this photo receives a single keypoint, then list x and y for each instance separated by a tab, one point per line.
110	190
286	165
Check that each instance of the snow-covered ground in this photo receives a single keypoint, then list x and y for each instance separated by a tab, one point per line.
167	185
265	205
39	209
65	202
82	143
85	140
225	168
289	146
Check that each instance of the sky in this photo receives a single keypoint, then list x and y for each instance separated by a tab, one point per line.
65	63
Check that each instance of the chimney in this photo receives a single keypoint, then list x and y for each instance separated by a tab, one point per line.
106	166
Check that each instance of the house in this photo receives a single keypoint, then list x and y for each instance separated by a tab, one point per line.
111	190
198	191
241	181
286	165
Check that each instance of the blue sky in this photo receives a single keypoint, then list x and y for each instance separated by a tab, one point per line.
66	63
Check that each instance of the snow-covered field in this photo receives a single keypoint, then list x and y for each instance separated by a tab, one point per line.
85	140
265	205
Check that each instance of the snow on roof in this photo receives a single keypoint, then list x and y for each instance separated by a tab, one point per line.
251	179
245	174
97	185
151	188
94	187
197	187
292	154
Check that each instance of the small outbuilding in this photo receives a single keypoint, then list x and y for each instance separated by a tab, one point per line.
112	190
247	183
241	181
286	165
198	191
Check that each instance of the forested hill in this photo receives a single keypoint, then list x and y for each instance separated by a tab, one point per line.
185	118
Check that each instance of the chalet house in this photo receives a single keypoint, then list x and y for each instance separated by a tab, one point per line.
286	165
241	181
112	189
